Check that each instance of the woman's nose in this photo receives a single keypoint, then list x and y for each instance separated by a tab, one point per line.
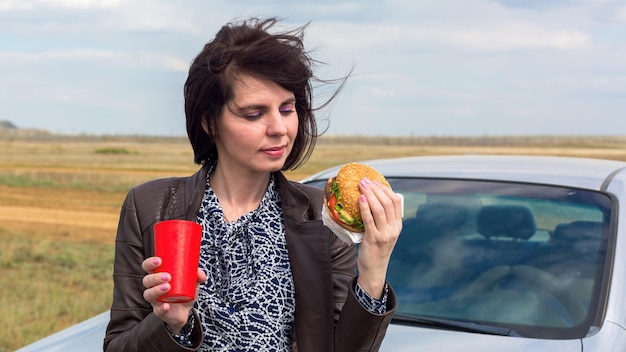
277	124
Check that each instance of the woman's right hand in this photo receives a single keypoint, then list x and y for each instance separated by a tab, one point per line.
175	315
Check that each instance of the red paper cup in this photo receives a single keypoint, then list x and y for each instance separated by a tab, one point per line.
177	242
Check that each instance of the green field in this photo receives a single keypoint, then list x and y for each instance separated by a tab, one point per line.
60	197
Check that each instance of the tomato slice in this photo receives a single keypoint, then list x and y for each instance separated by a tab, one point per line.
331	205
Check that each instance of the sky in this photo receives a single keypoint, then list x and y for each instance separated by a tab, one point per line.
419	67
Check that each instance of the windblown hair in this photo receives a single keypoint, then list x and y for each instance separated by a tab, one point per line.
249	48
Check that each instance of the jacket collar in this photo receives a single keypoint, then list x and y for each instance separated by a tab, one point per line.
194	189
295	202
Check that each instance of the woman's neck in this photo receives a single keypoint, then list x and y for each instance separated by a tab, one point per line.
238	193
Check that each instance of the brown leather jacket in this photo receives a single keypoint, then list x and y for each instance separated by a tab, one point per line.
328	315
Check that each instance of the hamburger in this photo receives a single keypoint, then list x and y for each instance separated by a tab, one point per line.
341	194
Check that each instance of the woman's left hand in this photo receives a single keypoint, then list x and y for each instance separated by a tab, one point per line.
381	210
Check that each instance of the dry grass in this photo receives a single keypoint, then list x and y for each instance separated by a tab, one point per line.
50	281
60	199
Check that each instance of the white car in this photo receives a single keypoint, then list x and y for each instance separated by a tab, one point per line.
497	253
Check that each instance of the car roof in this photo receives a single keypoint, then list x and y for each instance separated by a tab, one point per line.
575	172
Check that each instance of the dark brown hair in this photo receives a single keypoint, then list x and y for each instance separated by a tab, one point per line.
249	48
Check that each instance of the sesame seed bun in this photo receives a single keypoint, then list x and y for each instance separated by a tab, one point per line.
347	183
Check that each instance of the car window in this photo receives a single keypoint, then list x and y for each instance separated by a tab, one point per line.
531	258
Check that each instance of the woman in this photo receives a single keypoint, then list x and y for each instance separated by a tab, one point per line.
271	276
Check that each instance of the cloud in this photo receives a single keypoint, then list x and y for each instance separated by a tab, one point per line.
83	4
12	5
620	14
511	37
7	5
44	56
98	58
536	5
495	37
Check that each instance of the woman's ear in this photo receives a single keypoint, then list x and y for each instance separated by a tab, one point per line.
207	126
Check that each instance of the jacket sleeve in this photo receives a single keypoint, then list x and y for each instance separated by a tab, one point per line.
360	330
133	326
356	328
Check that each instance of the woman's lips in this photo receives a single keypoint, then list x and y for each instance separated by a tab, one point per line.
274	152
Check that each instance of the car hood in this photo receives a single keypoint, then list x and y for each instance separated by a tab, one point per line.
85	336
90	333
402	338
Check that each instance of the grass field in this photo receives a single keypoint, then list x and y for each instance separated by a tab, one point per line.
60	198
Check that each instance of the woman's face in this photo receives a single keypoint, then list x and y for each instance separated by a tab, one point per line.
256	130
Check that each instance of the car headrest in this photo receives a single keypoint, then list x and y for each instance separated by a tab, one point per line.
509	221
577	231
430	220
441	215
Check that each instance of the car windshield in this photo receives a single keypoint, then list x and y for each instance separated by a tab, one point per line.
528	258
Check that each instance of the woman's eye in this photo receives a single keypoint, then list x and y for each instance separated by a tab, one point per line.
287	109
253	115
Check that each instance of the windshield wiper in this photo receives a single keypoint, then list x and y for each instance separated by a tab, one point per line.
455	325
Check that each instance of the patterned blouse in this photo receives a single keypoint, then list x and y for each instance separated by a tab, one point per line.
248	300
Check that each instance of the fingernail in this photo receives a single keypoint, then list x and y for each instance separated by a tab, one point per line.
165	277
364	182
156	261
362	198
164	287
